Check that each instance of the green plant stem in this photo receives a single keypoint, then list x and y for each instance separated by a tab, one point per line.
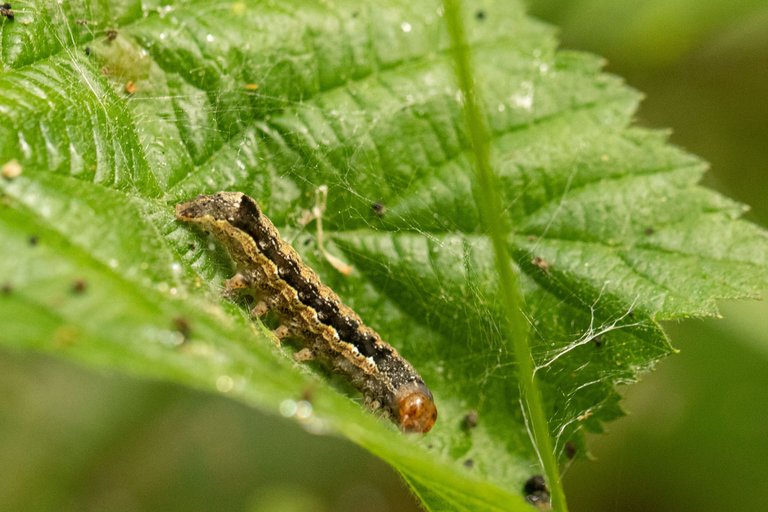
489	204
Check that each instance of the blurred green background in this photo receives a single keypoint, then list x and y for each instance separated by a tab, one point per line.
697	434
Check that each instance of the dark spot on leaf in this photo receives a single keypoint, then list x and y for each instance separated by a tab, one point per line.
649	231
87	50
541	263
79	286
5	10
469	463
379	209
111	35
535	484
181	324
7	288
308	395
480	15
33	240
598	341
536	491
470	420
570	450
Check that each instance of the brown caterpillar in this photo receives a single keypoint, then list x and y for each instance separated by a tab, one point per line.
271	270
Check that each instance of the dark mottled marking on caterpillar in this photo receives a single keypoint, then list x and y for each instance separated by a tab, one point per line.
271	270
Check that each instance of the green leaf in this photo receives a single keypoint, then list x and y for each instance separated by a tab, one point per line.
611	232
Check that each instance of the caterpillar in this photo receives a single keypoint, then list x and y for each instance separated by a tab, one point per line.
272	271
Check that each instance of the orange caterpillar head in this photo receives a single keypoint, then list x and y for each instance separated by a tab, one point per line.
416	411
